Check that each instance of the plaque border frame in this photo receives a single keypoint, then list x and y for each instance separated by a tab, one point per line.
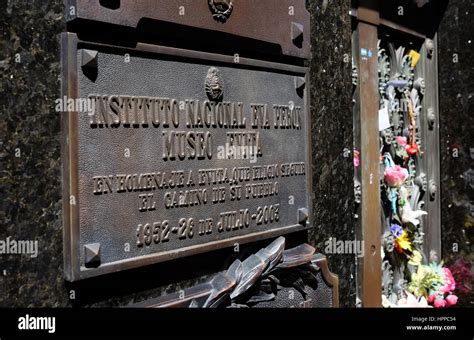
73	270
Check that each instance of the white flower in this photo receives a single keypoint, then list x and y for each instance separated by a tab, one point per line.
407	214
412	301
386	303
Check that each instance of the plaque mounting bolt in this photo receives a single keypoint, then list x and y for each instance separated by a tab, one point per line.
89	59
297	34
92	255
303	216
433	189
431	118
429	48
300	83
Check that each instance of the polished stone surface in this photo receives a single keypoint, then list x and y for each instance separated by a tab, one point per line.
456	100
332	125
30	153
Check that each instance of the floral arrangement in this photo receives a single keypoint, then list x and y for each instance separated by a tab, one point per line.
409	278
428	285
435	283
356	158
410	301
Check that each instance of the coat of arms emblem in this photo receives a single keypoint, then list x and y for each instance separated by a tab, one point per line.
214	84
221	9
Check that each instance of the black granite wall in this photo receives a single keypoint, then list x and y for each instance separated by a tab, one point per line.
456	99
30	155
31	167
332	126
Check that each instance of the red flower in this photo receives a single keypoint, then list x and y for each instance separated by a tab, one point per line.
451	300
398	248
356	158
439	303
450	284
402	141
412	149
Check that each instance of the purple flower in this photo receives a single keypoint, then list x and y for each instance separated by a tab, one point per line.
396	230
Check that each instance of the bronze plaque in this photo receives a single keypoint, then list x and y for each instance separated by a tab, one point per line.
169	153
280	23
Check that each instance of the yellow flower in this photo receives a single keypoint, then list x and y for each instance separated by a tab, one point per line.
416	258
403	241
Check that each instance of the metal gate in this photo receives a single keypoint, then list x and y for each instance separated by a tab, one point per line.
396	139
